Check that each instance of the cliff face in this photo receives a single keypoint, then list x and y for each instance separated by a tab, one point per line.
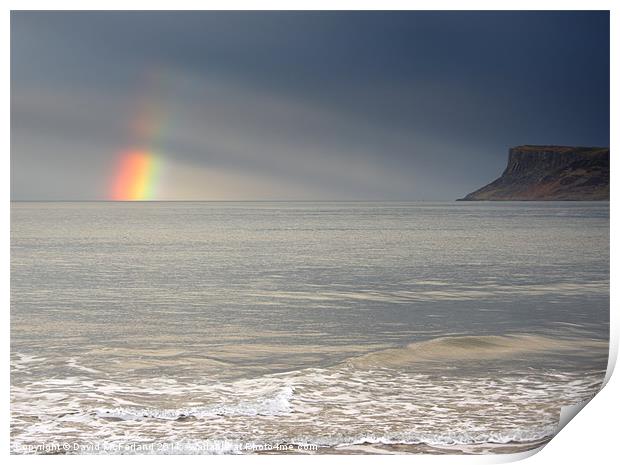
550	172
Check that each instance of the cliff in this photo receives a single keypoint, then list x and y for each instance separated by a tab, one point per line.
550	172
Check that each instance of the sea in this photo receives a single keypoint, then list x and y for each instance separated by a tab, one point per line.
303	327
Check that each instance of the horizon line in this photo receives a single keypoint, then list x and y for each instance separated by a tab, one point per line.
460	201
231	200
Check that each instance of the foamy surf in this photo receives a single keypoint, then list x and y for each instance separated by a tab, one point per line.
278	403
351	404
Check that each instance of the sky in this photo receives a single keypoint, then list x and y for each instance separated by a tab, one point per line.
295	105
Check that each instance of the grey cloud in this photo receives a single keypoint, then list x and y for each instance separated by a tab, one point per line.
343	105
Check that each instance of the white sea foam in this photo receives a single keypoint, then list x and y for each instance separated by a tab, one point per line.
278	403
343	405
72	362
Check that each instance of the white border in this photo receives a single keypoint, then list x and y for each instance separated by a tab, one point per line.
590	437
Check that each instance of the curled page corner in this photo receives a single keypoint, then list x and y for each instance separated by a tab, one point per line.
569	412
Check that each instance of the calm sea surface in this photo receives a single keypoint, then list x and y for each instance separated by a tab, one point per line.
204	327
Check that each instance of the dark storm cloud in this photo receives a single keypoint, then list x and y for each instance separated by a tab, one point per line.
406	105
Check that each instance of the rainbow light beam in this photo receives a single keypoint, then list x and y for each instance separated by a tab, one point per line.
136	176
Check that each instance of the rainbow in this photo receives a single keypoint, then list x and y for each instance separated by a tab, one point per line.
137	172
136	176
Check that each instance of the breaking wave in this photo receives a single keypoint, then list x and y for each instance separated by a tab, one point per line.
471	348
